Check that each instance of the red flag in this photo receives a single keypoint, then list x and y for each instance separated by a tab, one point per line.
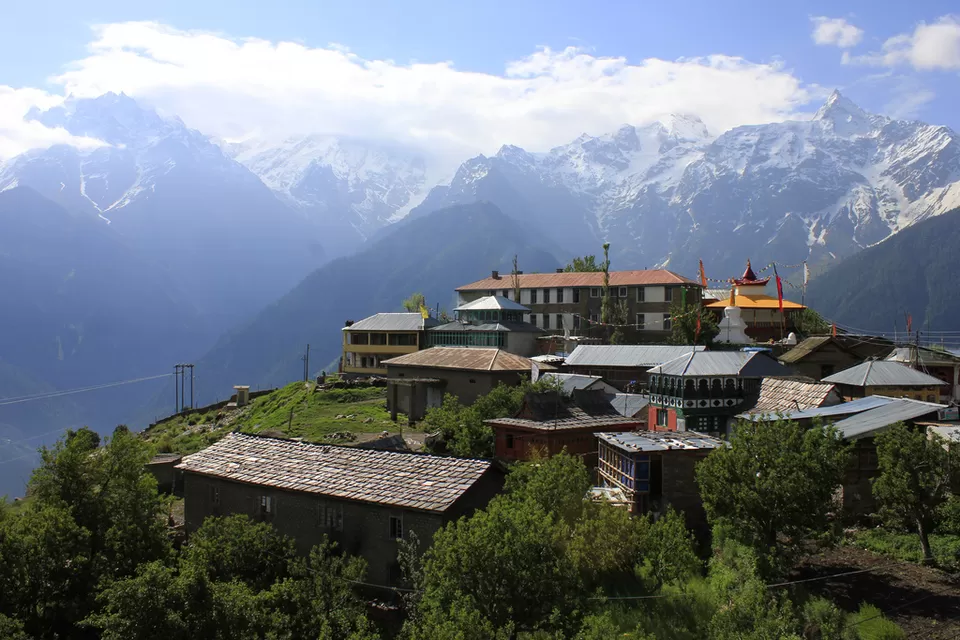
909	323
696	336
834	331
703	276
779	290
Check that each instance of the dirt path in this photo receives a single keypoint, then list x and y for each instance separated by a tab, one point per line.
924	601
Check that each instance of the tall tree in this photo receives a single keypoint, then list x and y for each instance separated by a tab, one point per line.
773	487
584	264
619	318
516	279
683	324
915	479
414	302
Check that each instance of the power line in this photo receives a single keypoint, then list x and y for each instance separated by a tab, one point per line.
57	394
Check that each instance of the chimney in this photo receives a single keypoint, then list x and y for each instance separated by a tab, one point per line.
559	270
348	323
495	275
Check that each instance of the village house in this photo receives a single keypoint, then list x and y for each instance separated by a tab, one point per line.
549	422
656	470
367	343
366	501
491	321
570	382
759	311
886	378
937	362
703	390
779	395
623	366
570	302
418	381
820	356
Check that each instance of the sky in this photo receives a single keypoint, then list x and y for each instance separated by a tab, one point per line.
468	77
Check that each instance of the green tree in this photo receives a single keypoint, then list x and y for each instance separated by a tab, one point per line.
606	304
584	264
620	319
914	481
683	324
810	322
773	487
414	302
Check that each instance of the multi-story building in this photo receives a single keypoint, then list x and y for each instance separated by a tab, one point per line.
561	302
367	343
490	321
703	391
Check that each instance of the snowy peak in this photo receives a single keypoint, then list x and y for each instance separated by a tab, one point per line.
687	127
842	117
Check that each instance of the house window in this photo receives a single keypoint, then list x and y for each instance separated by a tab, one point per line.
640	321
661	417
594	317
594	292
533	319
667	294
330	516
533	296
509	441
215	495
546	296
266	505
396	527
559	295
667	322
576	321
640	294
623	292
576	295
505	293
546	321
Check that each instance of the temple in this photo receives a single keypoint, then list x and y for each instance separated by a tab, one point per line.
759	312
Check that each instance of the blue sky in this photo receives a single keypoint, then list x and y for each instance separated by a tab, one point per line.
915	76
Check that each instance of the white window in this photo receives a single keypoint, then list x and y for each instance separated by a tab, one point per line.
640	321
640	296
661	417
623	292
594	292
396	527
546	296
668	294
559	295
266	504
533	296
330	516
667	323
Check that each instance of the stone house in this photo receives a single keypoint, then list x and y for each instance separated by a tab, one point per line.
364	500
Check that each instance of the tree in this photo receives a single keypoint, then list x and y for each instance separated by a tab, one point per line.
683	325
584	264
773	487
914	481
515	276
606	304
414	303
810	322
620	318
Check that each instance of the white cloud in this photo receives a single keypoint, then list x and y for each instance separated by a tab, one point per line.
835	31
18	135
930	47
234	87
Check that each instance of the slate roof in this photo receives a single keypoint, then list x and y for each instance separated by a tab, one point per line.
780	394
408	480
572	381
465	358
604	355
883	373
643	441
580	279
869	422
393	322
586	409
492	303
749	364
630	404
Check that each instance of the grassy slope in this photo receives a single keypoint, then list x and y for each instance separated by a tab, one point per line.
314	418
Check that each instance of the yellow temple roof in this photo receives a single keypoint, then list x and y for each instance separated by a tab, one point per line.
756	301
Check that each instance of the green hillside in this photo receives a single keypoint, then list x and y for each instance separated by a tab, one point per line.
914	272
298	410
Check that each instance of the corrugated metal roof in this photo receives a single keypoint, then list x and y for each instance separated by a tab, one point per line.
393	322
805	348
466	358
492	303
883	373
843	409
515	327
579	279
572	381
642	355
908	355
644	441
630	404
409	480
873	420
749	364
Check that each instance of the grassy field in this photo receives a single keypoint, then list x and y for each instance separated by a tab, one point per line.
297	410
906	546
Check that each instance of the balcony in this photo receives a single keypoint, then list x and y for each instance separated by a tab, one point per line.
392	349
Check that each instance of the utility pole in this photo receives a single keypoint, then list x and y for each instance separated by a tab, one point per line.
176	388
191	386
306	364
183	397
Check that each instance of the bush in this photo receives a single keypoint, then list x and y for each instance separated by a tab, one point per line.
871	625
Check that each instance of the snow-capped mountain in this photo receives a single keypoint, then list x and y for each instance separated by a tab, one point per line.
363	186
669	194
174	196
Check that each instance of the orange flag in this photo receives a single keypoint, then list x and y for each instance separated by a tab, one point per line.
703	276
